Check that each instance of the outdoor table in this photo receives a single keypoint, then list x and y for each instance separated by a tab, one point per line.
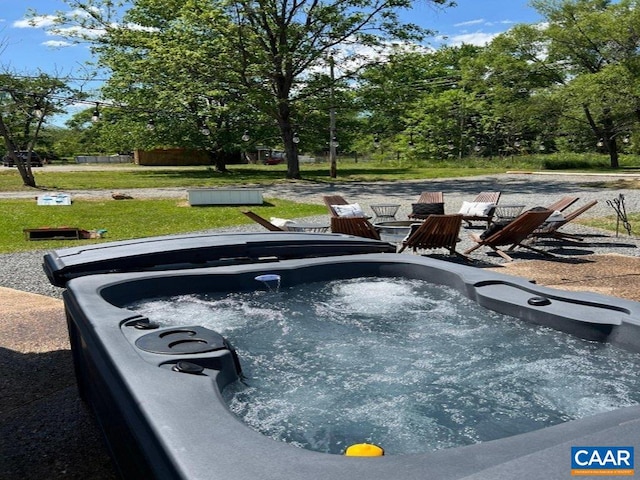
385	212
505	213
395	231
308	227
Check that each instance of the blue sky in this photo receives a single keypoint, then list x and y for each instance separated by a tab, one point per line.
27	49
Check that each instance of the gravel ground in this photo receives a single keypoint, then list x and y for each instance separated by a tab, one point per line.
46	431
23	271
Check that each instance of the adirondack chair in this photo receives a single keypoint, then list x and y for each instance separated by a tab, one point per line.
513	234
356	226
563	203
437	231
263	221
428	203
550	229
485	199
330	200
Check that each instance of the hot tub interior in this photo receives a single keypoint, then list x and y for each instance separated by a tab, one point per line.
402	363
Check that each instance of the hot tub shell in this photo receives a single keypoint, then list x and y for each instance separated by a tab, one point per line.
167	424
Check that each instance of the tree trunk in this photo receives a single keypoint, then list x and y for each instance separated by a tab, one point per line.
290	148
218	161
613	153
610	139
25	169
606	134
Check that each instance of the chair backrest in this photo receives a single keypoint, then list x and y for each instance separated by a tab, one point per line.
437	231
519	229
563	203
263	221
431	197
488	197
579	211
330	200
356	226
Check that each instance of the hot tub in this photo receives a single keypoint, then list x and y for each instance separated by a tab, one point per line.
156	391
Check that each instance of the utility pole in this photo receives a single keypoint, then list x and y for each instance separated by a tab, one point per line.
333	169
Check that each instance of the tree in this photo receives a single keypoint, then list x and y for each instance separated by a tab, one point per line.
415	97
597	45
265	51
25	104
512	83
288	39
169	67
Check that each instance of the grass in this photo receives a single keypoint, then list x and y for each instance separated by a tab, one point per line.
142	218
187	177
611	223
119	176
129	219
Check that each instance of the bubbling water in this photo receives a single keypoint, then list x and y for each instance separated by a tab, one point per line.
405	364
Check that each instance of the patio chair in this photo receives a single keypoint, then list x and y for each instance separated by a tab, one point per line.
513	234
263	221
437	231
429	203
481	209
563	203
356	226
331	200
550	229
334	202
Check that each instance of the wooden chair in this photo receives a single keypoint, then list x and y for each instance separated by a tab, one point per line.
431	197
437	231
550	229
356	226
429	203
483	197
513	234
263	221
563	203
330	200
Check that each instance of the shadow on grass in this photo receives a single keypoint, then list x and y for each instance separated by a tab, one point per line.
231	175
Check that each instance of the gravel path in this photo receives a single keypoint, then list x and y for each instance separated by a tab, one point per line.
23	271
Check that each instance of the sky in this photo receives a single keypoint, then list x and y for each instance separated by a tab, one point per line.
27	49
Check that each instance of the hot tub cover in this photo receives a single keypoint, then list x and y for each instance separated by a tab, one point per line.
200	250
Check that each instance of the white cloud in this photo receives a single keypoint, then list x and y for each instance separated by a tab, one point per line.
477	38
470	22
35	22
76	32
136	27
57	43
80	13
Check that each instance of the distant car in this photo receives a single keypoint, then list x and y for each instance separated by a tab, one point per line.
48	157
275	158
36	161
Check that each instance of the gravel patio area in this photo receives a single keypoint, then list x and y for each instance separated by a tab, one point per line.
46	431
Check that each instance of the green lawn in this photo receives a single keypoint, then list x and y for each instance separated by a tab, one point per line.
126	219
121	176
141	218
186	177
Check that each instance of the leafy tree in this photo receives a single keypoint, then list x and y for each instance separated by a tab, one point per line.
413	101
244	53
596	45
25	104
512	83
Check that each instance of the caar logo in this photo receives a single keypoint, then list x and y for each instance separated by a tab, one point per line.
610	461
